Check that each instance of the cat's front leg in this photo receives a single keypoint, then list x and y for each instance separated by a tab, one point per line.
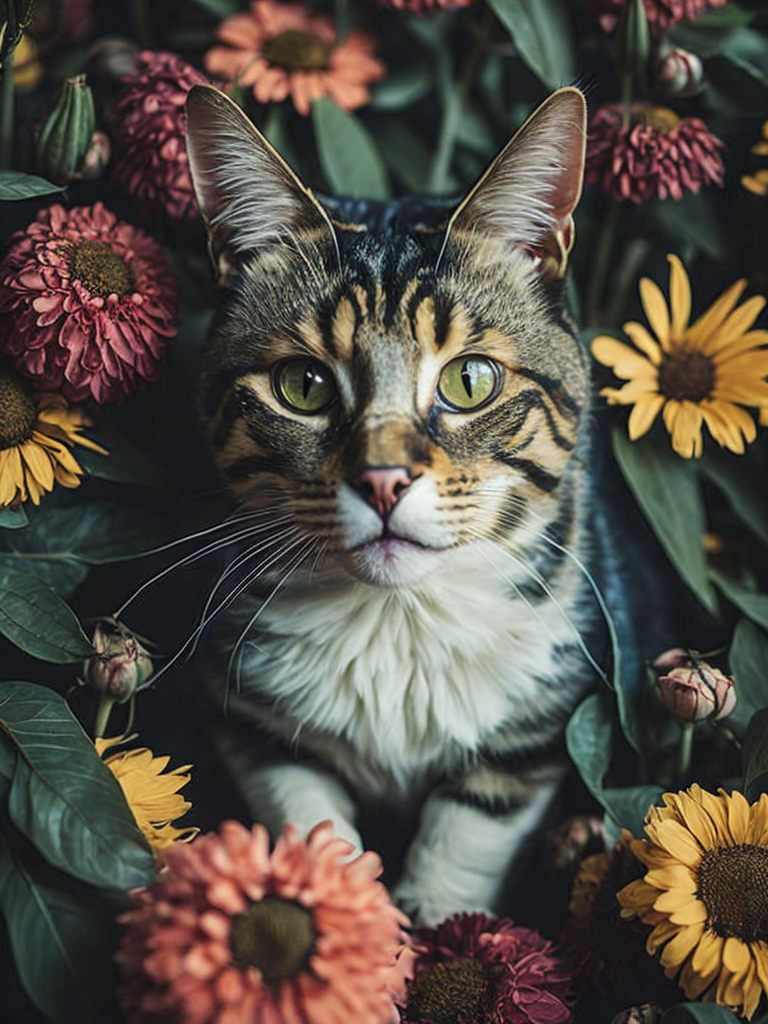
468	837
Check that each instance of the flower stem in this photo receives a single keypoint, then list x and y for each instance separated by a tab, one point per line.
103	711
7	113
684	751
602	261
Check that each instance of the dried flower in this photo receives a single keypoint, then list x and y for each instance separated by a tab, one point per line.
693	691
662	14
281	50
693	374
645	1013
679	74
652	153
150	155
150	791
87	304
232	932
484	970
37	432
758	182
424	7
705	894
121	663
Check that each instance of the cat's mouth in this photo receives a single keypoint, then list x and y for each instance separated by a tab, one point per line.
392	559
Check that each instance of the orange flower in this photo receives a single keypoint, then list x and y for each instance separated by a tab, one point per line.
282	50
231	932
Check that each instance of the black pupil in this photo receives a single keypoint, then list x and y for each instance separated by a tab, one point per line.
467	377
312	378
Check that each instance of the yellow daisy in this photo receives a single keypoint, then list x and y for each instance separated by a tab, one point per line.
758	182
693	374
706	894
151	793
36	434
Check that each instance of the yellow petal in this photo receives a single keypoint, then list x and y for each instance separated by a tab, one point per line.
704	332
642	416
739	321
671	900
738	817
38	463
641	339
736	955
679	842
673	876
8	482
693	913
730	425
655	307
757	833
698	821
623	360
679	297
708	955
683	421
680	946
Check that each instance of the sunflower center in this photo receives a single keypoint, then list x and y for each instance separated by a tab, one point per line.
100	269
687	376
453	992
274	935
295	50
733	886
17	412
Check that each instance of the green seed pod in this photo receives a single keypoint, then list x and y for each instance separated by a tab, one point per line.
66	134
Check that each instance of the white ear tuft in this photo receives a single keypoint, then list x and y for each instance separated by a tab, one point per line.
248	195
527	196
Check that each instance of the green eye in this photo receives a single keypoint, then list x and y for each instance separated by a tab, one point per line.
468	382
305	385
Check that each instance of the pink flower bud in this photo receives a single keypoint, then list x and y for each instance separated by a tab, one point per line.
696	691
120	665
645	1013
96	157
574	839
679	74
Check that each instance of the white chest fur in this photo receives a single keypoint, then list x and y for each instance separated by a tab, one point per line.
412	678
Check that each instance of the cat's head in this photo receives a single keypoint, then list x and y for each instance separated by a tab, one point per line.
394	380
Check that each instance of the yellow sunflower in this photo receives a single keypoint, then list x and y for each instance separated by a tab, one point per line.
694	374
706	894
36	434
151	793
758	182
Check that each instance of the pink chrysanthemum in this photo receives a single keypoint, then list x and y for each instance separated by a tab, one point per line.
662	14
282	49
87	304
651	153
424	7
233	933
474	969
150	155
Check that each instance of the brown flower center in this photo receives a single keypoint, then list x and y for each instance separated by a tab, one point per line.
100	269
295	50
274	935
687	376
661	118
733	886
17	412
453	992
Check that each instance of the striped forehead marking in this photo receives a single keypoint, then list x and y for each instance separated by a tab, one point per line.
343	328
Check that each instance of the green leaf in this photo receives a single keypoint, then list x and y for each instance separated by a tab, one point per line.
709	32
61	932
13	519
64	575
698	1013
402	89
63	797
742	85
14	185
753	603
125	463
748	661
348	154
629	805
541	33
692	219
755	756
589	740
406	154
743	484
37	620
666	487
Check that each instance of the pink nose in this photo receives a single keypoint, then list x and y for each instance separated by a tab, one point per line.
383	487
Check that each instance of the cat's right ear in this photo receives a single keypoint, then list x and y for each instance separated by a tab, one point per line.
248	195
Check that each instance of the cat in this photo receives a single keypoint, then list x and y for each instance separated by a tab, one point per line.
395	394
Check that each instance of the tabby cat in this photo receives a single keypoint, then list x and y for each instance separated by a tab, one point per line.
396	397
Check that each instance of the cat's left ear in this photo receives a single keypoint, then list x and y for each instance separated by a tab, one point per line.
527	196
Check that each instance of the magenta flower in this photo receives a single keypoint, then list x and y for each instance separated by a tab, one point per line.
474	969
149	134
651	153
87	304
662	14
423	7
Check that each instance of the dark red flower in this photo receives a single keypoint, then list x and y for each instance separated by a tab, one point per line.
662	14
474	969
87	304
648	152
150	154
423	7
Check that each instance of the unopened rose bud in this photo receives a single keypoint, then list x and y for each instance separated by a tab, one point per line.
67	131
679	74
696	692
645	1013
574	839
120	665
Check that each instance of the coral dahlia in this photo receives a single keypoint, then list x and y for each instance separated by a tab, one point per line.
474	969
231	932
150	155
649	152
87	304
282	49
